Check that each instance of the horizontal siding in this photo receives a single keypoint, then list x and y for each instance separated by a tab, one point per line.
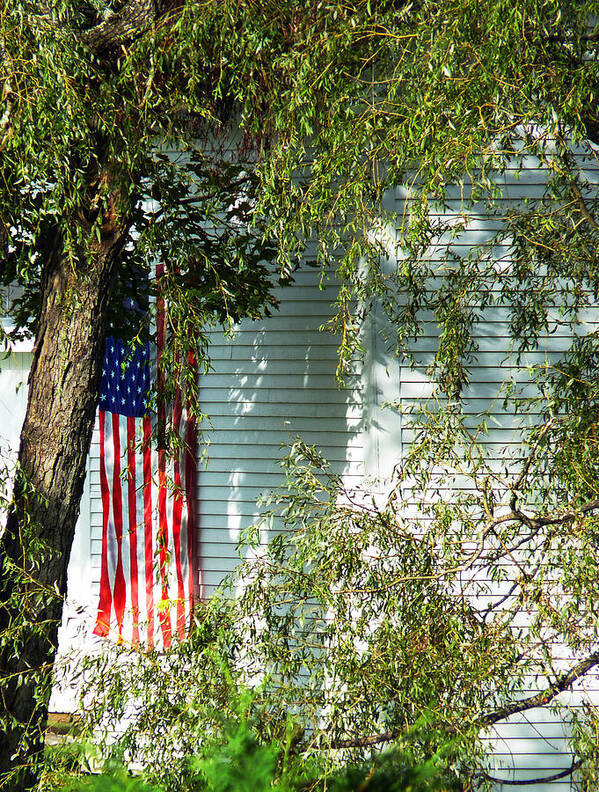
14	371
530	745
274	380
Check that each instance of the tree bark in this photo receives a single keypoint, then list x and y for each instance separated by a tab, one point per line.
63	393
123	26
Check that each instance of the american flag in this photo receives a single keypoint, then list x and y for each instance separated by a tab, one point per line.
147	569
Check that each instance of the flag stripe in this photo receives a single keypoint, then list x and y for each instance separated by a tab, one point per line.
177	521
103	618
148	543
119	592
132	504
190	488
165	621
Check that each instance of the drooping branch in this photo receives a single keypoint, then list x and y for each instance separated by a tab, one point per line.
565	773
540	699
363	742
545	696
7	101
584	211
565	39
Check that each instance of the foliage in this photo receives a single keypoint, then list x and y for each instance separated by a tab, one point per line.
332	107
198	219
115	782
336	103
403	618
233	758
358	98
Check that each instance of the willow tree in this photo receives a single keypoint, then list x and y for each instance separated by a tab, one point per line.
330	103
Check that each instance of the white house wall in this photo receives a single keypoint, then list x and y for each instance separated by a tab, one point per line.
14	370
530	745
533	744
274	380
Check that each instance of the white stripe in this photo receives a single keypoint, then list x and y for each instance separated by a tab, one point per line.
126	545
184	540
171	564
139	503
157	588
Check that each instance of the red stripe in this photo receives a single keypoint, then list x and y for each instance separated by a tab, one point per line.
120	588
164	615
165	619
177	515
103	618
132	499
148	545
190	485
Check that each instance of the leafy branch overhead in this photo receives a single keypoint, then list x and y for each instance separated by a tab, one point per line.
232	142
335	105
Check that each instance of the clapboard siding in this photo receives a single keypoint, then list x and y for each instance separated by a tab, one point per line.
531	745
274	380
14	371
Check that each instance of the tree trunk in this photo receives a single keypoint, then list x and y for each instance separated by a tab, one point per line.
34	550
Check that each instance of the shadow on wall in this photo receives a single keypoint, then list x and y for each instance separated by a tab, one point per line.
272	382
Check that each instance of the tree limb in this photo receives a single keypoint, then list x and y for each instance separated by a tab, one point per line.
586	37
543	697
540	699
120	27
7	101
526	781
583	208
364	742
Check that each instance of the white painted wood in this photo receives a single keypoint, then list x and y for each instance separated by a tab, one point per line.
532	745
14	370
274	380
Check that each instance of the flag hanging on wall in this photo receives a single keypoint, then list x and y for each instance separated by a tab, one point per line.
147	569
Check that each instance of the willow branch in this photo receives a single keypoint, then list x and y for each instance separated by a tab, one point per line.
6	99
584	209
364	742
540	699
564	39
524	473
543	697
526	781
